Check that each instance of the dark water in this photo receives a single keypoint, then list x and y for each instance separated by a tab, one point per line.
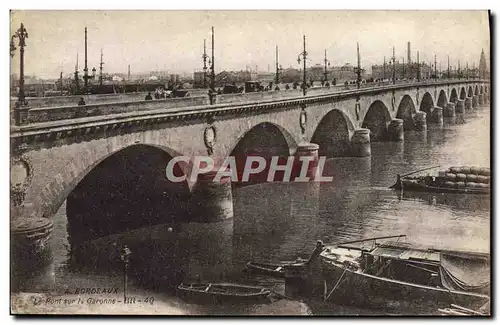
276	222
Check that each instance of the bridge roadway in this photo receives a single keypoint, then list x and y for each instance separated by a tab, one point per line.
66	153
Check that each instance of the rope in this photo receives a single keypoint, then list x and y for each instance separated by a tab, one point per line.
336	284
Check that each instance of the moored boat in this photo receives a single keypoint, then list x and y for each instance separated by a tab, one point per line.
460	180
276	270
272	269
218	292
397	274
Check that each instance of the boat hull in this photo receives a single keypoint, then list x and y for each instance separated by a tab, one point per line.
357	288
224	293
434	189
274	270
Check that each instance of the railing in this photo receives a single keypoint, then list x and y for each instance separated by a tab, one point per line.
47	114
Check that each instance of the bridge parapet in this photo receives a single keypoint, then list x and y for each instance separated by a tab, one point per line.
189	105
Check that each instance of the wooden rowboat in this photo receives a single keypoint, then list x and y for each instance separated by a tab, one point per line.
218	292
275	270
272	269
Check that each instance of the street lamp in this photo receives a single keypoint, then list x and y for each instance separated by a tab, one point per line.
358	68
125	257
22	35
325	74
304	57
204	57
279	68
418	66
403	73
211	92
393	65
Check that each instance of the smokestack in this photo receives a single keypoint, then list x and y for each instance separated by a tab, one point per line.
409	60
409	53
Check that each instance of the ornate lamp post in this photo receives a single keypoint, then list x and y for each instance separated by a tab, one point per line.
212	92
204	57
448	67
304	58
403	72
393	65
418	66
325	74
125	257
358	68
100	70
22	35
279	68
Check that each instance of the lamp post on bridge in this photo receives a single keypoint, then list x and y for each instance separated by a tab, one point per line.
418	66
393	60
304	58
435	68
279	68
204	57
403	72
325	74
358	68
459	72
448	67
212	93
21	34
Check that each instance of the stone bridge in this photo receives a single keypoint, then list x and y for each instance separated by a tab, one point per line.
108	160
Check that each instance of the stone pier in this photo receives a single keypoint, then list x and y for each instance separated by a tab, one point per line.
306	149
29	241
420	120
437	115
395	130
468	103
474	101
212	200
480	99
360	143
449	110
460	107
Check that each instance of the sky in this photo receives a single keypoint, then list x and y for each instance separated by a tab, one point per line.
173	40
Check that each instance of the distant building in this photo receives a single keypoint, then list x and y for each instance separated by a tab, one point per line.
402	71
199	79
484	72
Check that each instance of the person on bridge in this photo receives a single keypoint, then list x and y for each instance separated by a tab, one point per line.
148	96
81	102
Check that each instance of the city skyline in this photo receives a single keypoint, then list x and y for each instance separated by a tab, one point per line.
173	40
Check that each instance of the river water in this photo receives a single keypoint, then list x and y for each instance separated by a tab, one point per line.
274	222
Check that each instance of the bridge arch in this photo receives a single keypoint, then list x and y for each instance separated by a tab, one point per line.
265	139
442	101
125	190
406	110
453	95
470	92
476	90
463	94
427	104
376	119
482	90
332	134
